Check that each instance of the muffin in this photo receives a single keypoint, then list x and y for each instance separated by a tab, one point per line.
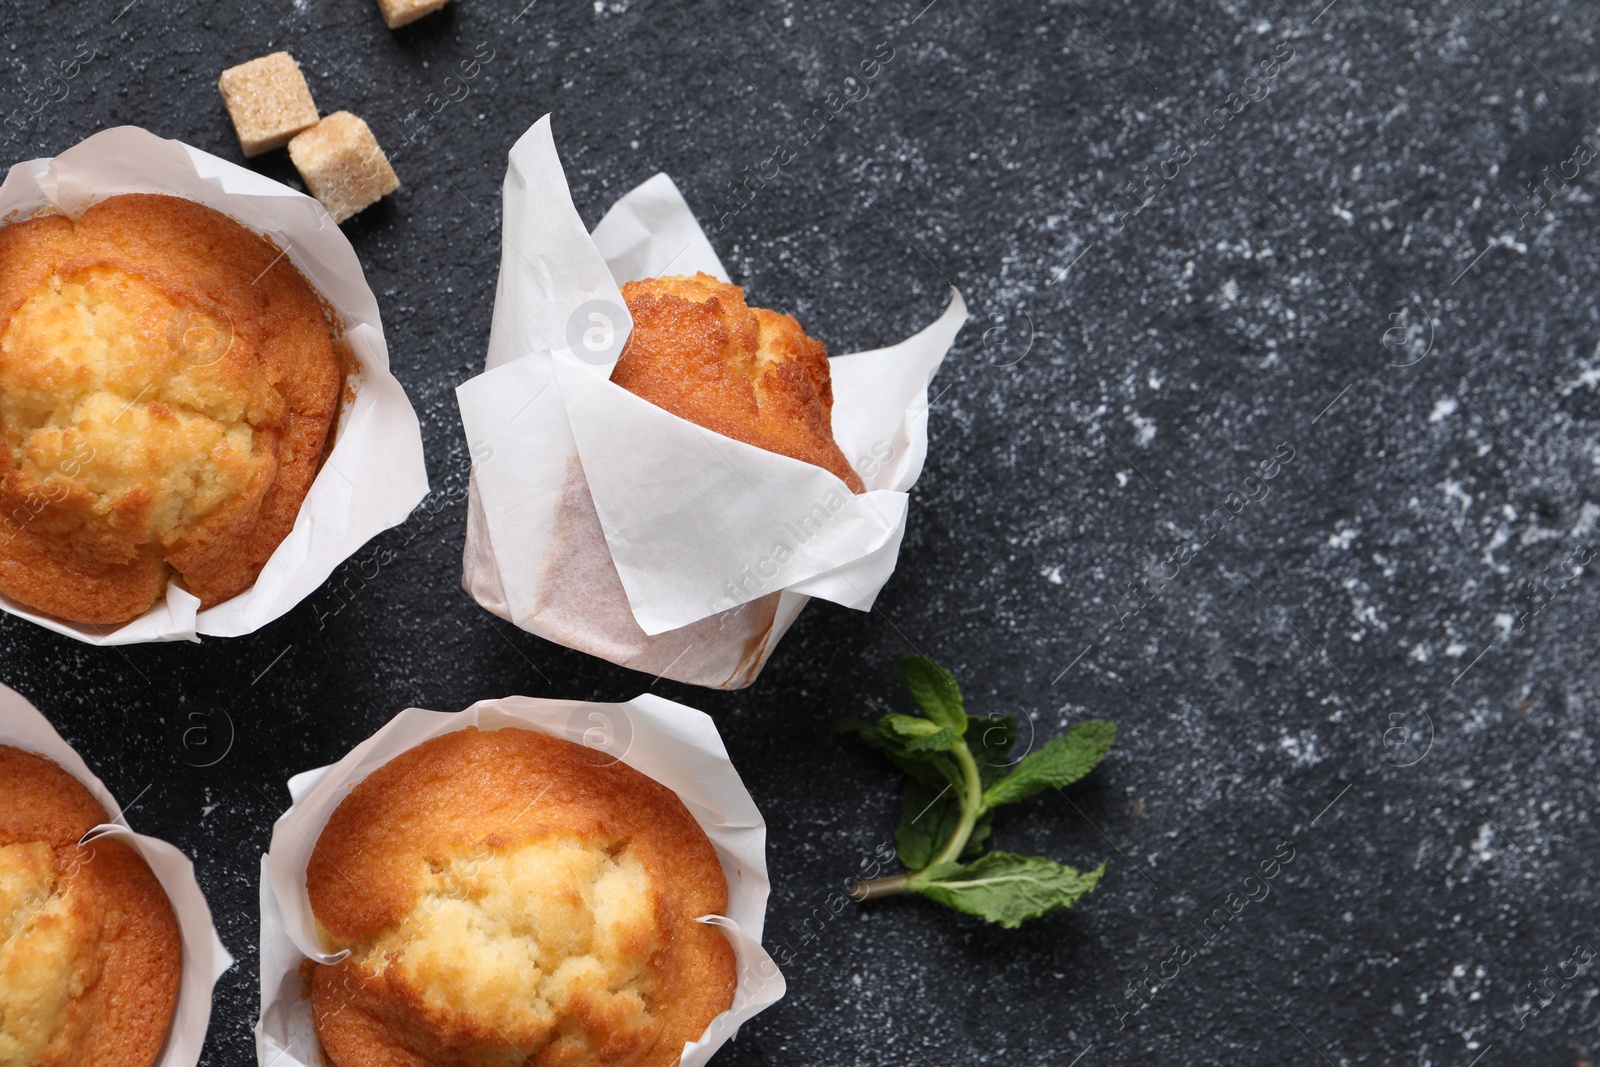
699	351
90	955
168	381
504	899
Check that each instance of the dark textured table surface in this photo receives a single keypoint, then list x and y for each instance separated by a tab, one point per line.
1196	238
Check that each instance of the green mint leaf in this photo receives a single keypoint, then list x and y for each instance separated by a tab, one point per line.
989	738
935	691
943	870
917	735
1059	762
861	728
928	768
935	771
1008	889
927	820
980	833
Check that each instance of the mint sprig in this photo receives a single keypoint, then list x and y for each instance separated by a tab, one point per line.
950	802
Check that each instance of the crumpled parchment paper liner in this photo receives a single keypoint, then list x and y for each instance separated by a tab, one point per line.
373	477
671	743
204	957
699	530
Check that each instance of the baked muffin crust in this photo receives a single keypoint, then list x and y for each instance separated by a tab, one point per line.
699	351
506	899
167	383
90	953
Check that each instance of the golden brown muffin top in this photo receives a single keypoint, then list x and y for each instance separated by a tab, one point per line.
167	382
508	897
90	954
699	351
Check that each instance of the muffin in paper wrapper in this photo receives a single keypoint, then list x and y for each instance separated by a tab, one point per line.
373	475
601	522
204	957
675	745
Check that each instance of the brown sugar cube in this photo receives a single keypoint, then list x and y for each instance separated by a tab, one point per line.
268	101
343	165
399	12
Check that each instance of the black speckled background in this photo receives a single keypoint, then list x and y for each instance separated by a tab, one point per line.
1166	295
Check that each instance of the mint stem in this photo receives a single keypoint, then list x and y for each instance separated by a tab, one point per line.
971	808
879	887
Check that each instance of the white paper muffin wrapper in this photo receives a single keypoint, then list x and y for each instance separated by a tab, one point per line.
696	525
669	742
204	957
373	477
